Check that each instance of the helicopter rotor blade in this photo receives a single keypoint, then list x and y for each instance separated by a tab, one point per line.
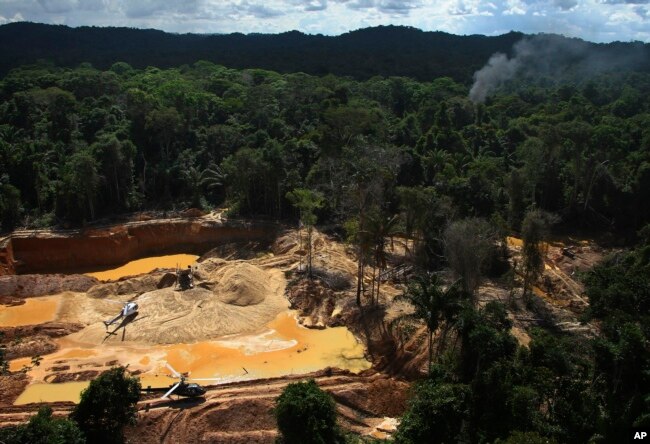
171	390
174	372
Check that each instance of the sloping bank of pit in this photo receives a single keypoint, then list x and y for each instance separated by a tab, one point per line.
26	252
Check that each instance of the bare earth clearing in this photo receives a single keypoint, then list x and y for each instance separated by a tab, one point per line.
236	325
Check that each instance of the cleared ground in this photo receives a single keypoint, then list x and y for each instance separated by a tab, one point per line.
236	325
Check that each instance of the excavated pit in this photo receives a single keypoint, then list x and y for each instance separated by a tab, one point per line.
78	251
235	324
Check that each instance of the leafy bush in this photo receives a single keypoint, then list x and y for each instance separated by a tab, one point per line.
307	415
43	429
107	405
435	414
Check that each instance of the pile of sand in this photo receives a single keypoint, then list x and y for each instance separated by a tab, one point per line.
228	298
241	284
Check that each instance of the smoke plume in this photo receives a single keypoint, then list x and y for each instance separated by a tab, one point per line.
498	69
556	57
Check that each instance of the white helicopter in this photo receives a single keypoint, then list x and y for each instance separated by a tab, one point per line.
129	309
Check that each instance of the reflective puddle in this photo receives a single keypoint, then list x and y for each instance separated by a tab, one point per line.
145	265
68	391
287	348
33	311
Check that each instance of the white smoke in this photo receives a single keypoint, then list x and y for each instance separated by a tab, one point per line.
551	55
536	52
497	70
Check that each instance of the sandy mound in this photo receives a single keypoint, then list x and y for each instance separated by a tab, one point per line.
233	298
241	284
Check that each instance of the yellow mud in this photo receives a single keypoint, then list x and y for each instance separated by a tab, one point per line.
33	311
43	392
287	348
283	347
145	265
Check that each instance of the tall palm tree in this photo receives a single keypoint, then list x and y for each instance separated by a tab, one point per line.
433	304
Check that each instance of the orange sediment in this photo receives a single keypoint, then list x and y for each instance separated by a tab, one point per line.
145	265
68	391
33	311
287	349
284	347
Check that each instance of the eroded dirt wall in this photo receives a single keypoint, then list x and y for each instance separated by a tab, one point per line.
6	257
39	252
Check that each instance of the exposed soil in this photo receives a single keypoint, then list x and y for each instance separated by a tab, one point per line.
240	287
36	251
57	377
560	297
239	412
232	295
32	285
315	302
11	386
242	412
134	287
239	298
33	340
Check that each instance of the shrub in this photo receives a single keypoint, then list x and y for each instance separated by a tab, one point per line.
307	415
107	405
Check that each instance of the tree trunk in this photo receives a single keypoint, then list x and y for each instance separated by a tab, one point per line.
378	284
144	175
117	184
374	279
359	278
300	242
430	351
91	207
309	231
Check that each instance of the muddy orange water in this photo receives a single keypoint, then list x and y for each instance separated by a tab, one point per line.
33	311
69	391
284	347
145	265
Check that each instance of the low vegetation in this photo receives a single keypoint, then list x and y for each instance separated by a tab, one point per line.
107	405
44	429
306	414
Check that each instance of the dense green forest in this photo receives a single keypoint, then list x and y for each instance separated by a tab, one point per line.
362	54
81	144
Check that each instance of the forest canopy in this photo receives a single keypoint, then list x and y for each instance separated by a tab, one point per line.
363	53
78	144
